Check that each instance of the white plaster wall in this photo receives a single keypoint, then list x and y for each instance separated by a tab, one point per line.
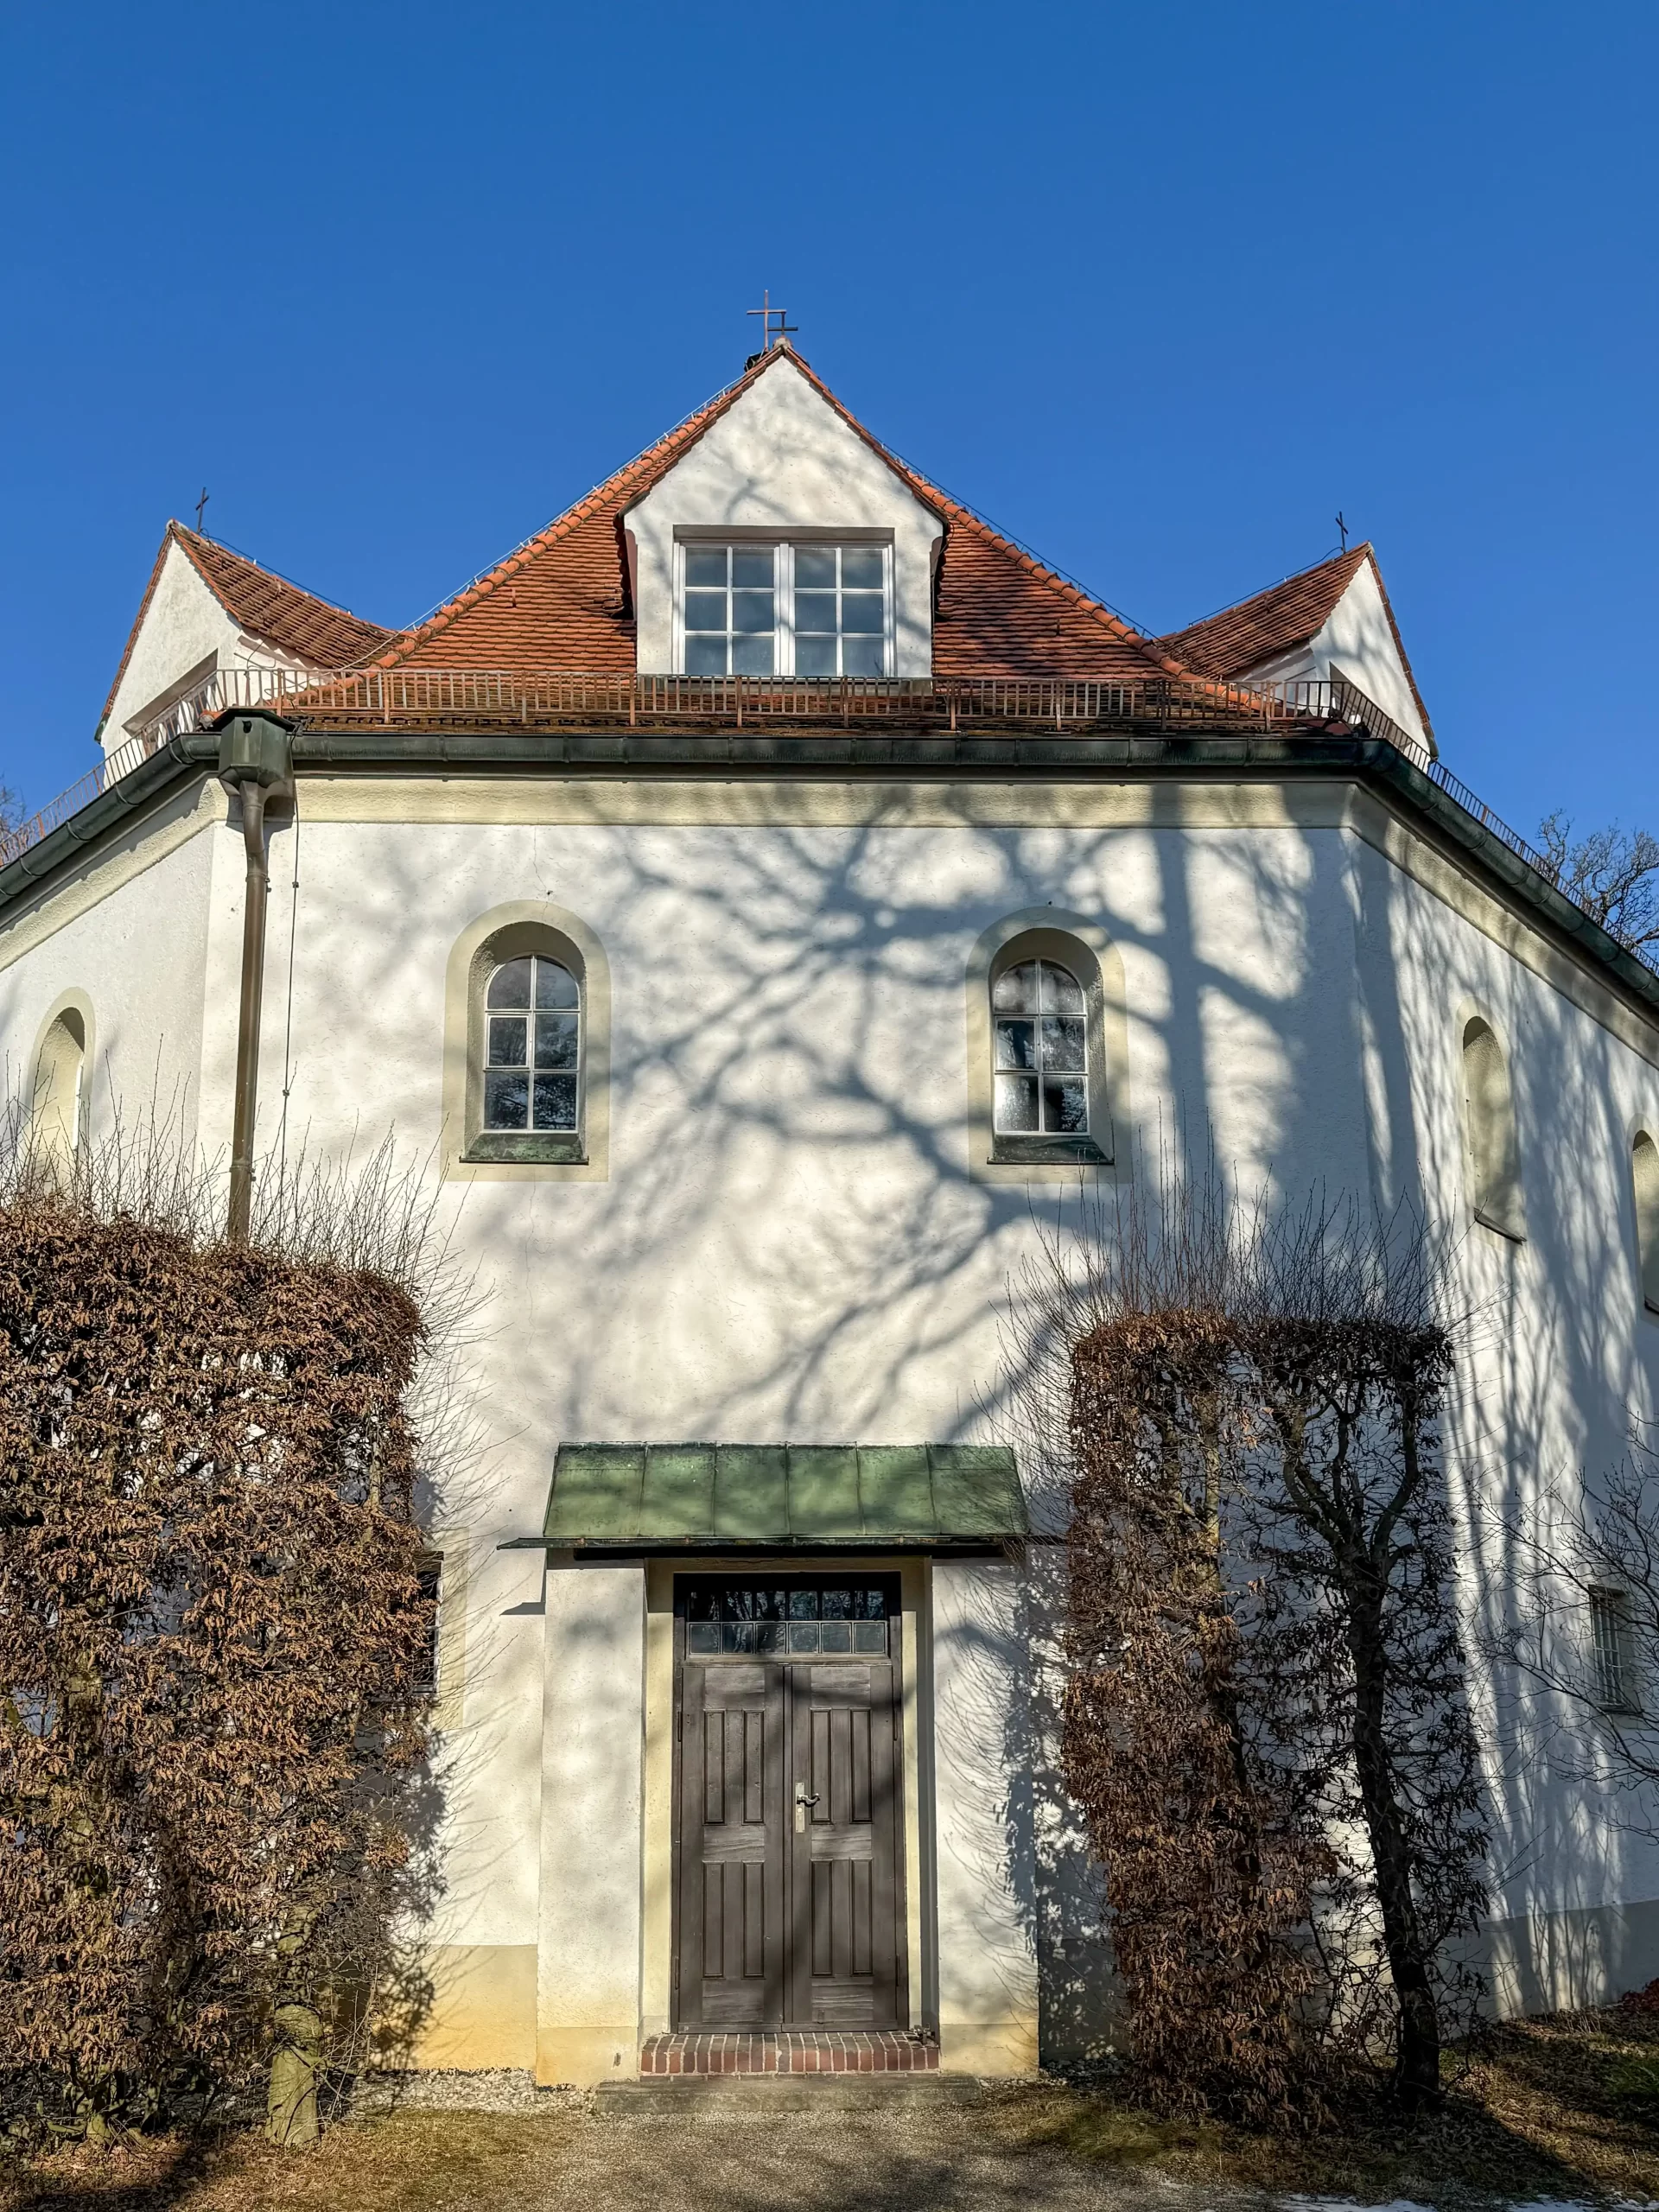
139	955
984	1861
789	1245
1358	642
781	459
592	1772
1559	1358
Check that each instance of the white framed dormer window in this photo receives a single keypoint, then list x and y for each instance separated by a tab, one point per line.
807	607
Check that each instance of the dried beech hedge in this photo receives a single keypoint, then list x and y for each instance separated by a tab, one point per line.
1211	1873
214	1647
1266	1726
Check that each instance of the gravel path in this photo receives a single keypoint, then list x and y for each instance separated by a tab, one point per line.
947	2161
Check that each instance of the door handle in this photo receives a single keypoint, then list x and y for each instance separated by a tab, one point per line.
804	1797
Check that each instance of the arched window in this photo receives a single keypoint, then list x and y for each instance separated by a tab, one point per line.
532	1047
527	1048
1644	1174
1048	1048
59	1073
1494	1160
1041	1051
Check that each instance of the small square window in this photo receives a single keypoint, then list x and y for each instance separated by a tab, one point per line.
840	610
730	610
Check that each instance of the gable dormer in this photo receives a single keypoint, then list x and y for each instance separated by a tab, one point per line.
782	543
207	609
1332	620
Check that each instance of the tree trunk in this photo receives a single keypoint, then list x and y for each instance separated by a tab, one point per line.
292	2106
1417	2062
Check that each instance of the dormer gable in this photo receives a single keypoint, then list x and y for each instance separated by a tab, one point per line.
570	597
206	608
782	543
1333	619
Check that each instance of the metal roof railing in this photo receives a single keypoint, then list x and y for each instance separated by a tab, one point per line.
440	698
416	697
116	764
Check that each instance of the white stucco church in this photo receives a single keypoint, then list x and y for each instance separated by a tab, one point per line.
751	898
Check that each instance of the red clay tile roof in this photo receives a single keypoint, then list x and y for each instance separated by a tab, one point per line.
1286	614
563	601
1229	644
267	606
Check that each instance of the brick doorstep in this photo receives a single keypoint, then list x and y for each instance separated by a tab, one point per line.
789	2051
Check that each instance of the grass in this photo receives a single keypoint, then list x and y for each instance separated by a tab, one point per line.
411	2162
1560	2107
1567	2106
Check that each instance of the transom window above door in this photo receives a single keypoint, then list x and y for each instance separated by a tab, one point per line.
1042	1050
803	609
767	1617
532	1046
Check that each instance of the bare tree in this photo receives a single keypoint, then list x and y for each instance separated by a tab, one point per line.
1612	873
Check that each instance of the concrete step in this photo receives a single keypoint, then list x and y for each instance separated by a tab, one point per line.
655	2097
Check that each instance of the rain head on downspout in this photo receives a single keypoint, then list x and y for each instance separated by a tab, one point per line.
255	761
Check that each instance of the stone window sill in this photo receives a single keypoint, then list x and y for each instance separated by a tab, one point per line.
1047	1151
527	1151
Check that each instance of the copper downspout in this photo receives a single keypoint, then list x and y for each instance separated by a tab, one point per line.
255	760
247	1023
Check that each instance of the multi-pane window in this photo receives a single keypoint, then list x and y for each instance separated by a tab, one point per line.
532	1046
839	611
785	610
829	1619
731	610
1612	1652
1042	1050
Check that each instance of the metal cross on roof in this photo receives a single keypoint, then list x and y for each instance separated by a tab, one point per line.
201	504
774	327
1343	526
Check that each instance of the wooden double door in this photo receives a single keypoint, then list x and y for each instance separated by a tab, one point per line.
789	1907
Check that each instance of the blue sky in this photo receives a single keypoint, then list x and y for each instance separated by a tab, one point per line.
1156	288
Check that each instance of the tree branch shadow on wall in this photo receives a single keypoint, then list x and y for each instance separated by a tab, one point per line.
799	994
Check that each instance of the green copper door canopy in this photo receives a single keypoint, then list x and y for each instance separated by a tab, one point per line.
807	1497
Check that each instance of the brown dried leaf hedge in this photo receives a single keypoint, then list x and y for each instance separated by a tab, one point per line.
214	1643
1267	1732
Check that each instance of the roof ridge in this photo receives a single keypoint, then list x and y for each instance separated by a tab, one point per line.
525	544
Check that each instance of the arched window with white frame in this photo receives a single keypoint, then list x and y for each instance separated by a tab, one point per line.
1048	1048
526	1047
1040	1047
532	1048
